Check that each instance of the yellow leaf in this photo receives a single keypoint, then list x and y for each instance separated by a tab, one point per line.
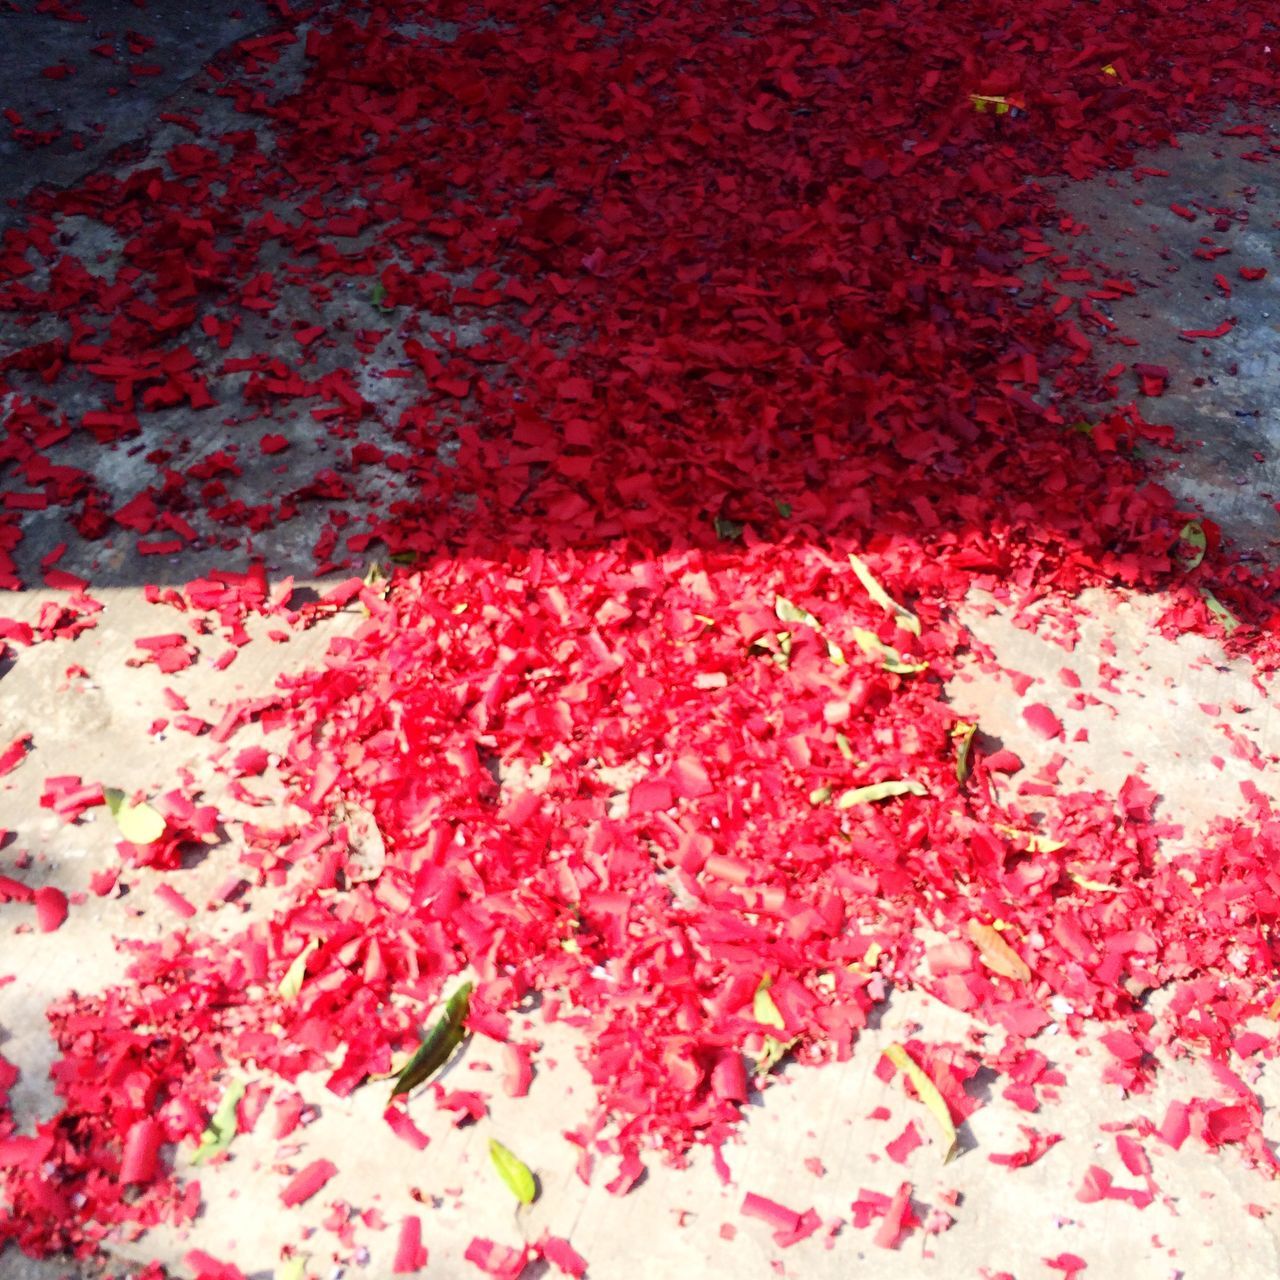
997	954
763	1008
929	1095
901	614
880	791
138	823
514	1172
291	983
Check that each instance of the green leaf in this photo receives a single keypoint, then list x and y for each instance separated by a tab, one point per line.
222	1124
377	296
1225	618
929	1095
902	615
1192	544
964	735
880	791
439	1043
291	983
763	1008
514	1172
138	823
729	530
784	509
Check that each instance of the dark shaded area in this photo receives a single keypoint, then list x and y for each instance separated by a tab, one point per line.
85	77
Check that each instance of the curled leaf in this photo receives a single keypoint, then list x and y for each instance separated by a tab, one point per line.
880	791
138	823
997	954
514	1172
901	614
789	613
222	1124
439	1044
964	735
928	1093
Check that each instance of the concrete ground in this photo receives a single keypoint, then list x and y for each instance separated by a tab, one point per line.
812	1141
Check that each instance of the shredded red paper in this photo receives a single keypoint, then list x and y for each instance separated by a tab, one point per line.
707	317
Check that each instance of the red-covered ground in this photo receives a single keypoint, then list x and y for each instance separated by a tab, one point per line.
746	295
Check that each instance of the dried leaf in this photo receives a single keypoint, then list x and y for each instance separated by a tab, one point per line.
880	791
997	954
439	1044
929	1095
964	735
222	1124
514	1172
902	615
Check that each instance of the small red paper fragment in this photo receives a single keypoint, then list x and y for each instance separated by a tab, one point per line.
14	754
141	1157
175	901
307	1182
1070	1264
51	908
562	1255
904	1144
410	1255
1042	720
498	1260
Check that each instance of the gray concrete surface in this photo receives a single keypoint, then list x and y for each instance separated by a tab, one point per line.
677	1222
83	89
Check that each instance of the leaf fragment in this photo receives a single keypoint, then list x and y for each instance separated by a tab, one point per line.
438	1045
222	1124
1192	544
1222	615
788	612
890	658
901	614
997	954
138	823
880	791
964	734
295	975
514	1172
772	1052
928	1093
763	1008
